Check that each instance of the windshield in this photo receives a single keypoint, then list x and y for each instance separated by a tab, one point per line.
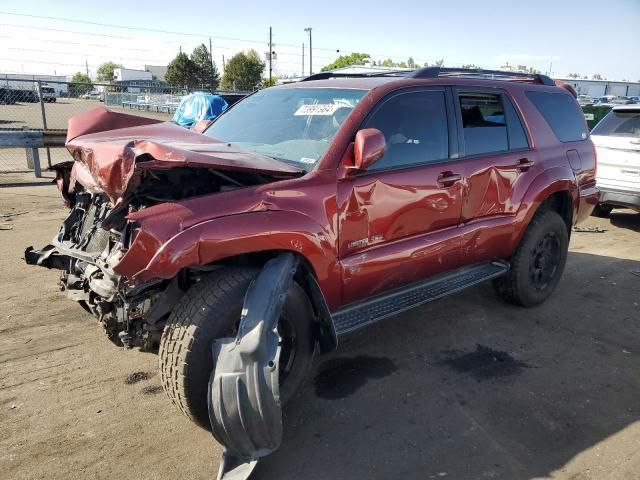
294	125
619	124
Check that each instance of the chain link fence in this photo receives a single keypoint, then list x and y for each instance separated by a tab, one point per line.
48	105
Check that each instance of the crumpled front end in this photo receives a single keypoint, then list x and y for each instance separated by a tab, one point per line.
115	185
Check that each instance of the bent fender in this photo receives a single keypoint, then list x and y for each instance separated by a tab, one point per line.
244	392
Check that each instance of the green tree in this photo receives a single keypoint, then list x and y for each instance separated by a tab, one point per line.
105	71
206	70
439	63
269	82
597	76
387	63
471	66
243	71
574	75
182	72
411	63
347	61
80	84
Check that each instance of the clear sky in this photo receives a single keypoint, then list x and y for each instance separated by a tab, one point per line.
581	36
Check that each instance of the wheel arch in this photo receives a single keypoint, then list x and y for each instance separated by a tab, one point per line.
324	329
554	190
252	239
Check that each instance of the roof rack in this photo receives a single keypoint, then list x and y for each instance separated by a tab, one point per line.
435	72
438	72
325	75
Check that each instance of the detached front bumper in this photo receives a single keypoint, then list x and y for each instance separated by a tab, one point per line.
620	198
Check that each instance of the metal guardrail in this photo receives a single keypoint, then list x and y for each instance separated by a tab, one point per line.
31	141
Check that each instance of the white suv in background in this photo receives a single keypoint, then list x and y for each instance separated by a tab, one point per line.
617	141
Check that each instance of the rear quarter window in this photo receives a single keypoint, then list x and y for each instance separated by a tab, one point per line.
562	114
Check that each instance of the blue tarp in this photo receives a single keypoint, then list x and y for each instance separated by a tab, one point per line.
198	106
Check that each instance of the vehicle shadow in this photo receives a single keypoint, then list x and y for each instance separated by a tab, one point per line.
626	219
469	387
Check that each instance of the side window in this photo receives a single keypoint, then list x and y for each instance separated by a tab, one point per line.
562	113
415	129
483	122
517	137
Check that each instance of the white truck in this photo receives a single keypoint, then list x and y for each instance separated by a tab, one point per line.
617	141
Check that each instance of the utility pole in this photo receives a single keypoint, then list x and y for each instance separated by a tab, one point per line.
210	53
270	54
211	58
303	59
308	29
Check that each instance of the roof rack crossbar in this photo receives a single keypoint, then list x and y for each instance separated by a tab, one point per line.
435	72
325	75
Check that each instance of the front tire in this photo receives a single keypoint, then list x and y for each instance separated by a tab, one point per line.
538	263
211	309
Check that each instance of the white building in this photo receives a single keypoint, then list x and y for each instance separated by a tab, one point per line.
600	88
127	74
157	71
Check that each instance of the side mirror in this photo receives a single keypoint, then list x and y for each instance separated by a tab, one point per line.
368	148
201	126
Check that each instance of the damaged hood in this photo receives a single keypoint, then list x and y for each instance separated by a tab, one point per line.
112	149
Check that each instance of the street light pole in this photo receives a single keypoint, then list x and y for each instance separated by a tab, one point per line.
270	54
308	29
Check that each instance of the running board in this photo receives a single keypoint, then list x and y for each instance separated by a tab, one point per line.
366	312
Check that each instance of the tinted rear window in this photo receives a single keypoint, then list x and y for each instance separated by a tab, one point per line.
483	123
562	114
619	124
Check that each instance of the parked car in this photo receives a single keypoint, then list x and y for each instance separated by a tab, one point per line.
310	210
93	96
584	100
617	141
48	94
622	100
605	100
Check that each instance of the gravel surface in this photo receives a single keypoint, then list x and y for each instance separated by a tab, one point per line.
464	388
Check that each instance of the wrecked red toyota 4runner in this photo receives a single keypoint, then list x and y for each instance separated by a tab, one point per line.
307	211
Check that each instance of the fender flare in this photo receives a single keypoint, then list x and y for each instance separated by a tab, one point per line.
553	180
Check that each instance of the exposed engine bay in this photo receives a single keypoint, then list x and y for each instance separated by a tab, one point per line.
97	233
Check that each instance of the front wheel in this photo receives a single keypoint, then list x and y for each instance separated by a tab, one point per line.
538	263
211	309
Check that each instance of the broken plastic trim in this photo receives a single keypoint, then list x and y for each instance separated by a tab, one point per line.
244	392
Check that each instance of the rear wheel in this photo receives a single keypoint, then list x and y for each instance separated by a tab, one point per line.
538	263
602	211
211	309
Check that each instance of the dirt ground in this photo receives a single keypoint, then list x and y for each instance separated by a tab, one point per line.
464	388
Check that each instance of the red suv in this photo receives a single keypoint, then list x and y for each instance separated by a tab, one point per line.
310	210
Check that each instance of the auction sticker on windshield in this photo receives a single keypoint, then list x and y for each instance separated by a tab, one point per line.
318	109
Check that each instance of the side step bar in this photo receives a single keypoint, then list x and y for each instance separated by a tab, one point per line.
366	312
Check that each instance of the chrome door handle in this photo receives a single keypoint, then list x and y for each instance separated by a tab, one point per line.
524	164
446	179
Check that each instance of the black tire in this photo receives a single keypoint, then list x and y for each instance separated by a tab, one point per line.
211	309
602	211
538	263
